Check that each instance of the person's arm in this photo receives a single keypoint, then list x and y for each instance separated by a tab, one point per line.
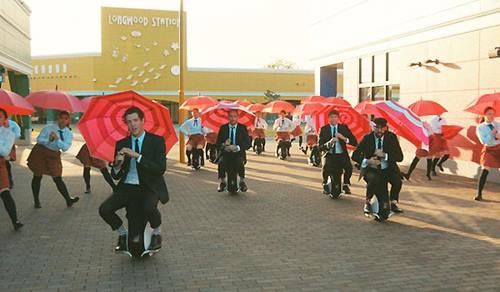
184	128
483	132
358	155
66	144
219	144
157	164
43	137
351	139
276	125
15	129
6	143
396	154
265	124
322	139
245	143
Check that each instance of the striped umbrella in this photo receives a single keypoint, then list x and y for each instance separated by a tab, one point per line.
256	107
198	102
367	108
487	100
102	124
57	100
216	116
15	104
427	108
243	102
403	122
358	124
277	106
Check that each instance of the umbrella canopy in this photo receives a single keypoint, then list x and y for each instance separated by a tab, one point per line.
313	98
367	108
308	108
216	116
478	105
86	102
102	125
427	108
403	122
243	102
256	107
450	131
15	104
198	102
57	100
337	101
277	106
358	124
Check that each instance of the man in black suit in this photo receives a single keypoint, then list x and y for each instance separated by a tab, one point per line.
233	142
140	162
333	139
378	154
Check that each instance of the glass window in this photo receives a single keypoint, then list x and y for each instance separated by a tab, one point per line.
393	92
365	93
35	69
65	68
57	68
378	93
50	69
43	69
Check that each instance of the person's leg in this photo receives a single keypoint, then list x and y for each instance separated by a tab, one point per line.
372	181
443	160
434	164
221	175
481	183
189	149
9	173
200	155
413	165
429	168
396	184
35	188
108	178
347	166
263	144
86	178
10	206
300	141
153	215
108	208
61	187
325	173
240	166
278	145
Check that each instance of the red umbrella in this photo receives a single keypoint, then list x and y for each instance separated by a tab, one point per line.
478	105
198	102
403	122
308	108
102	125
86	102
358	124
216	116
450	131
243	102
313	98
256	107
367	108
277	106
337	101
15	104
427	108
57	100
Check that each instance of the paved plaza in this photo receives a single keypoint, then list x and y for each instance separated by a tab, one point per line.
282	235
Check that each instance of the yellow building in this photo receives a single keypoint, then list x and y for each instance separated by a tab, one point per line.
140	51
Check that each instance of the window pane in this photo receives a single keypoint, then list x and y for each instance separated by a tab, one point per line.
365	94
378	93
394	92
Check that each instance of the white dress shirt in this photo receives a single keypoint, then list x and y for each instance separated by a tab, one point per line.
483	132
384	163
63	143
233	128
260	123
133	175
310	128
6	142
283	125
436	125
192	127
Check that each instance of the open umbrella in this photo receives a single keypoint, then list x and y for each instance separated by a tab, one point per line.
479	105
308	108
367	108
198	102
450	131
337	101
57	100
277	106
15	104
256	107
243	102
313	98
358	124
403	122
86	102
102	124
427	108
216	116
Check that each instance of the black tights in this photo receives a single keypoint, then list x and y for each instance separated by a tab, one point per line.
10	205
61	187
105	174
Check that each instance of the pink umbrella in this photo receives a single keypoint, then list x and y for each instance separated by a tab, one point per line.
314	98
243	102
256	107
86	102
198	102
308	108
358	124
367	108
488	100
403	122
427	108
57	100
216	116
278	106
337	101
15	104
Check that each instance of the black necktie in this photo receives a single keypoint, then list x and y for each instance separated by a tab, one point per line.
334	131
379	145
137	146
491	126
282	122
195	122
61	135
231	135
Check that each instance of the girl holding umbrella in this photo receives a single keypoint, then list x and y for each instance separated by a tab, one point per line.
89	162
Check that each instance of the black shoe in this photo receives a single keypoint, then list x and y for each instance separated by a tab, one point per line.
440	167
367	209
38	205
189	163
88	191
222	187
395	209
478	198
406	176
122	243
243	186
326	189
155	244
17	225
304	150
346	189
72	201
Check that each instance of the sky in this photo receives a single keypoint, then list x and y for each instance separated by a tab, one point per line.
221	33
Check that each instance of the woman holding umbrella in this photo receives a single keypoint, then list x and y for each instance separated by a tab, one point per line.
89	162
488	133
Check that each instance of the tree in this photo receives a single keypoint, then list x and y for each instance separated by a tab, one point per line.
271	95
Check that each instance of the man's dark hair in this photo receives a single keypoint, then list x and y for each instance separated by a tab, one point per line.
63	113
133	110
283	112
487	109
380	122
4	113
334	112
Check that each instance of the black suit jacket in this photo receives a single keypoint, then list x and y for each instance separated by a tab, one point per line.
325	135
366	149
242	138
151	168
